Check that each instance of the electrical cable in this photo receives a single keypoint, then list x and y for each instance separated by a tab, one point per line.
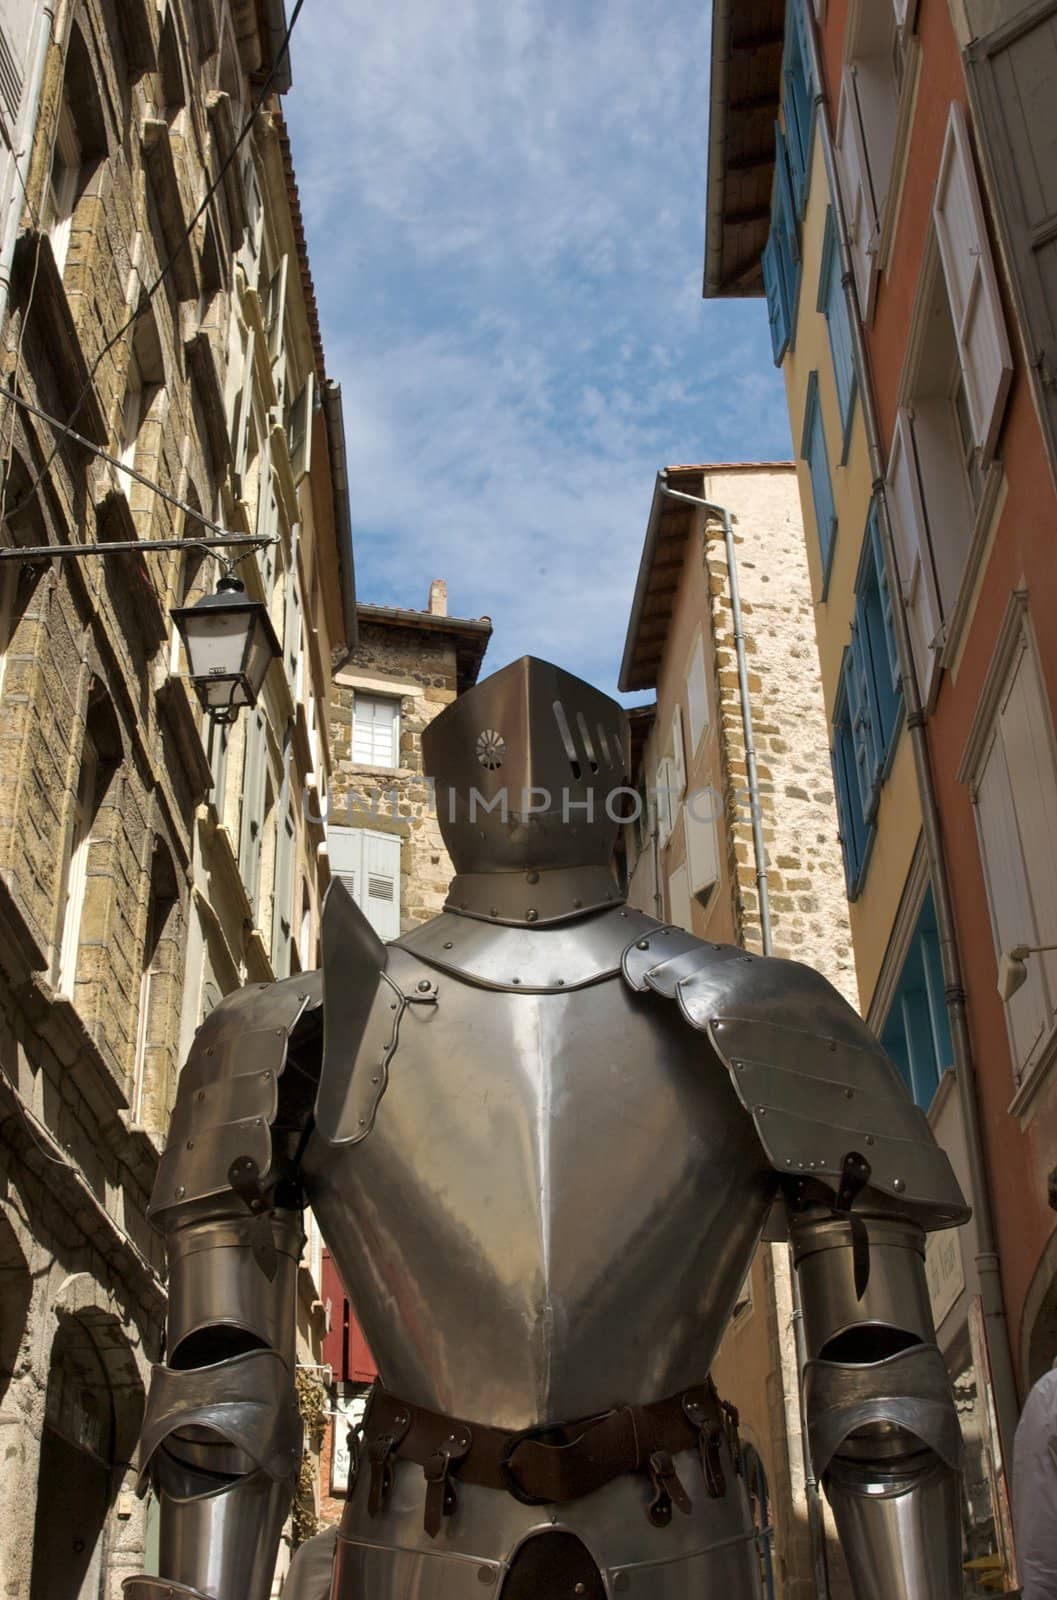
147	296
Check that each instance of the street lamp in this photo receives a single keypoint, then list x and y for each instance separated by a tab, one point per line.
1012	968
230	644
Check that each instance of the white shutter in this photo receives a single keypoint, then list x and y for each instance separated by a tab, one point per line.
702	844
299	432
678	758
860	212
972	287
697	695
381	883
665	784
1027	739
345	848
680	910
913	555
275	310
1008	894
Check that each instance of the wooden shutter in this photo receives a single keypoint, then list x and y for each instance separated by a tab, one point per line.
381	883
914	556
678	757
702	844
972	287
680	910
859	208
299	433
1009	898
813	449
1012	75
283	911
697	695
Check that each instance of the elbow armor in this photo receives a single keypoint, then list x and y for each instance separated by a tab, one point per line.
221	1439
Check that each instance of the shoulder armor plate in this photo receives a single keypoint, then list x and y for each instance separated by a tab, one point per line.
228	1093
368	987
533	960
805	1066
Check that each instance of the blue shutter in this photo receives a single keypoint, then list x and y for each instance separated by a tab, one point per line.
798	103
873	622
852	823
777	304
866	736
813	449
833	304
917	1032
873	530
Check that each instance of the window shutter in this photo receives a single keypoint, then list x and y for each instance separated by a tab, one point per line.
834	306
665	784
784	194
697	695
1013	77
873	533
275	310
813	449
1027	739
11	77
861	213
913	555
381	885
678	757
778	309
283	914
680	911
849	815
702	845
345	848
1010	900
866	744
299	432
972	287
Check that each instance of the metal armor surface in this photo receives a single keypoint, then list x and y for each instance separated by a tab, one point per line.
542	1189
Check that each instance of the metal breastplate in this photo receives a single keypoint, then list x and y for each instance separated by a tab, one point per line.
554	1206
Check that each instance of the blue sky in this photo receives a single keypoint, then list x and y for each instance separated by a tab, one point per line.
504	206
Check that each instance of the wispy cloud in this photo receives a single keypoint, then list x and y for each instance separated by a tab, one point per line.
504	208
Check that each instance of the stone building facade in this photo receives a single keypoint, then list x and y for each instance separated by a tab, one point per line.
406	667
142	872
383	836
691	860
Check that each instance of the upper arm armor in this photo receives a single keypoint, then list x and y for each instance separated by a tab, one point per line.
228	1100
805	1066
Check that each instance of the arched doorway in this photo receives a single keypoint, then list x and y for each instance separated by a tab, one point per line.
92	1411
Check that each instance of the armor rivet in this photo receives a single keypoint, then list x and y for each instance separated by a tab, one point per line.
849	1094
375	1078
423	985
200	1095
401	1418
265	1076
577	904
494	911
393	1006
257	1122
898	1185
561	983
210	1051
532	877
869	1138
761	1111
643	944
832	1045
180	1191
621	1581
449	945
303	996
363	1121
581	1588
515	980
190	1144
532	915
623	913
486	1574
279	1032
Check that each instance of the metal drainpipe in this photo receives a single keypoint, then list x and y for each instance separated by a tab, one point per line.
814	1505
1002	1371
23	134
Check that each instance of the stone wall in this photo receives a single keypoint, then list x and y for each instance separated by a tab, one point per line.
805	873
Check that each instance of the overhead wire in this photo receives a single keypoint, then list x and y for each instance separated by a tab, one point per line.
147	295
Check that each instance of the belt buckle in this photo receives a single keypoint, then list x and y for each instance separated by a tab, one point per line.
506	1466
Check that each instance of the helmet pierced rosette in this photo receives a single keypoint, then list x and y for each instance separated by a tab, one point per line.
530	770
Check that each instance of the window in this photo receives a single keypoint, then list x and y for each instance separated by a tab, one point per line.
833	304
375	731
65	184
283	912
871	126
813	449
947	427
72	898
697	695
144	384
1013	777
702	845
370	863
153	967
869	703
781	255
917	1032
798	102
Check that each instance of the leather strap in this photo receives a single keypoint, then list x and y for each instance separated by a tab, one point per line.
554	1463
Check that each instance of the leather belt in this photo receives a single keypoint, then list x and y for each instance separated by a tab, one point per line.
556	1462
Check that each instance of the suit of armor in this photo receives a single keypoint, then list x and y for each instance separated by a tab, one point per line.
543	1135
